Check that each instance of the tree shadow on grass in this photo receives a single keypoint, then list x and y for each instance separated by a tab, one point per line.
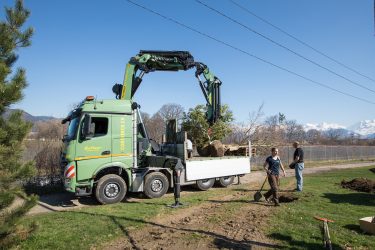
219	240
362	199
299	244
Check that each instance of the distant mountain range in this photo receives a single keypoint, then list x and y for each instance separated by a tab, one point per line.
365	129
29	117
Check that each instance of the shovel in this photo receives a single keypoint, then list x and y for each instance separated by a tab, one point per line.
258	195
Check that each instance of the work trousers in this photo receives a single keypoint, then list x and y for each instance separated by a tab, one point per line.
273	180
298	170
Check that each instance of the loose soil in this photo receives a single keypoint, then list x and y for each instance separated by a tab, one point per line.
216	224
360	184
287	197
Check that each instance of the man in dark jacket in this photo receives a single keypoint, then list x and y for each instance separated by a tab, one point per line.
298	160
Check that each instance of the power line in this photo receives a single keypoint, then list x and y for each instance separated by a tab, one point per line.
302	42
245	52
282	46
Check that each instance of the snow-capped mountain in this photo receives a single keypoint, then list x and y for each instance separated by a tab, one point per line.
323	126
365	128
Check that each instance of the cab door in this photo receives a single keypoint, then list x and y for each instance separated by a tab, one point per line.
93	152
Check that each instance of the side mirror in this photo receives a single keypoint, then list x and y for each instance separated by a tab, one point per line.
88	128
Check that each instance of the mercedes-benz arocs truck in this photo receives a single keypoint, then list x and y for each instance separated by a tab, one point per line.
107	151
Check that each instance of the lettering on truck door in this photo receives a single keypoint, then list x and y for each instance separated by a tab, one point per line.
122	143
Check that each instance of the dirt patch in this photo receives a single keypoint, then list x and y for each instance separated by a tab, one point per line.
372	170
360	184
285	198
229	222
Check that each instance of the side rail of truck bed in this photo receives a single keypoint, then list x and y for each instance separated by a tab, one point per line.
216	167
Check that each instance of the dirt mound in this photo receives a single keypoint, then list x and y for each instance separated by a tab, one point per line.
372	170
284	198
360	184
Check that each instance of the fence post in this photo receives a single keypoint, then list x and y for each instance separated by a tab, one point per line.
325	152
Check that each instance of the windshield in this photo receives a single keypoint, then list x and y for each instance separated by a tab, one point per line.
72	129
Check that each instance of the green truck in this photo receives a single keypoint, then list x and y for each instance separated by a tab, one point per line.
107	151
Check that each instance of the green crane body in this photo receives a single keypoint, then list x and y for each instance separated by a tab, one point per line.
149	61
107	151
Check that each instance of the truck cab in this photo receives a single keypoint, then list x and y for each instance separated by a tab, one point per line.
99	142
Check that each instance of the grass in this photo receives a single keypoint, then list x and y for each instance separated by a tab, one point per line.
312	164
294	225
92	226
296	228
335	162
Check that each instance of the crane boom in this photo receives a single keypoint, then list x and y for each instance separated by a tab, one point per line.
147	61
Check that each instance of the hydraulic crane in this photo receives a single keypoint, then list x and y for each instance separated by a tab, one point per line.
149	61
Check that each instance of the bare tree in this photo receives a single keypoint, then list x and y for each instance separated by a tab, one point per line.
45	147
155	124
293	131
335	135
243	132
313	136
271	133
50	130
171	111
156	127
146	119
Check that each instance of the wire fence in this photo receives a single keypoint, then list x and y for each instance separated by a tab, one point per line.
319	153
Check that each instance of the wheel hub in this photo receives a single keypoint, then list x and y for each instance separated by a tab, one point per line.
156	185
111	190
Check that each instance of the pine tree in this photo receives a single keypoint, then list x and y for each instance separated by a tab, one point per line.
13	129
200	131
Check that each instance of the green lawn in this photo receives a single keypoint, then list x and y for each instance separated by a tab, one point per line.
296	228
93	226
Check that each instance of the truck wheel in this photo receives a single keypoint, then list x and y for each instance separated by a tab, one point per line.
225	181
156	185
205	184
110	189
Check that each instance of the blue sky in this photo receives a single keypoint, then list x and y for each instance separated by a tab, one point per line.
81	48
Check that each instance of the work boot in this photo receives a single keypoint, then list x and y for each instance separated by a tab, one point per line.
276	202
267	199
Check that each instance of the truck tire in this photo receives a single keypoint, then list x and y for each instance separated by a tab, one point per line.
110	189
225	181
205	184
156	185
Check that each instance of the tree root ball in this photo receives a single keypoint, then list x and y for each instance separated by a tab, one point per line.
215	149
